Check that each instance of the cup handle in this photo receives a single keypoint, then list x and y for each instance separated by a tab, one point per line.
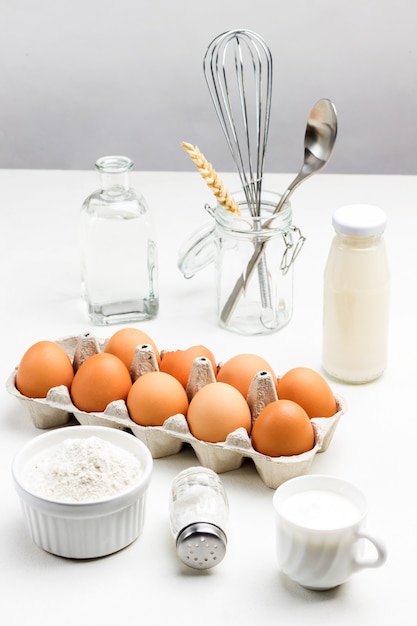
381	551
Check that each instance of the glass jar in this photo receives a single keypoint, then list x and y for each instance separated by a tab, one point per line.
199	512
254	263
356	296
118	249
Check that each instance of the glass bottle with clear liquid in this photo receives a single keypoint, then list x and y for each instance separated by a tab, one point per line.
118	249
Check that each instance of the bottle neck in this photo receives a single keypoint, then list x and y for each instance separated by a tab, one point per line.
358	242
114	175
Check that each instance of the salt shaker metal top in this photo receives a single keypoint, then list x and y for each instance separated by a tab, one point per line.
356	296
199	512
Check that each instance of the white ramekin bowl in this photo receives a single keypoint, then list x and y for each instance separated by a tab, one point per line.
84	530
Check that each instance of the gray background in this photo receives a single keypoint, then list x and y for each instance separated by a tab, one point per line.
83	78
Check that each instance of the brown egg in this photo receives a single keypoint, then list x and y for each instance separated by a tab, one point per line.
124	342
178	363
282	428
43	366
101	379
216	410
240	370
154	397
309	389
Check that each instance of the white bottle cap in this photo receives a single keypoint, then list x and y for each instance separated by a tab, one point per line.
359	220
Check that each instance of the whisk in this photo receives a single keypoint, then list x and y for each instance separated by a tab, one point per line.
238	71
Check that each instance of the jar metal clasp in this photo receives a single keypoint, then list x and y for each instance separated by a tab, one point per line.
292	249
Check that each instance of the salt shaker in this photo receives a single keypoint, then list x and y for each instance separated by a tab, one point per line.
118	249
199	512
356	296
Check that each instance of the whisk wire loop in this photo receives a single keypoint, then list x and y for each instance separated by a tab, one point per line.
238	63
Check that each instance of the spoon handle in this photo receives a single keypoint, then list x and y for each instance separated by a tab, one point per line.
245	277
281	202
301	176
241	282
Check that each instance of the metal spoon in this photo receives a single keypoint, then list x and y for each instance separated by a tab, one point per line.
319	141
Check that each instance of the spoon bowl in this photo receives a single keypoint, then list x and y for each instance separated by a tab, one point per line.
319	142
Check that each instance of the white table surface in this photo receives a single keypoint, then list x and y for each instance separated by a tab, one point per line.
374	444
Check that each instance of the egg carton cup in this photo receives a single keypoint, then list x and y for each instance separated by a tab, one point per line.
57	409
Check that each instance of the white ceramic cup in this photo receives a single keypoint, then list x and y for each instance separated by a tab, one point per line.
321	536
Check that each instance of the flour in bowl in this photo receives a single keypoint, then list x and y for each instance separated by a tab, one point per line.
81	470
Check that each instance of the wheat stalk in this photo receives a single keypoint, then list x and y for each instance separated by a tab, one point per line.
208	173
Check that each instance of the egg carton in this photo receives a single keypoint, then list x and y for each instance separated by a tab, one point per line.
57	409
